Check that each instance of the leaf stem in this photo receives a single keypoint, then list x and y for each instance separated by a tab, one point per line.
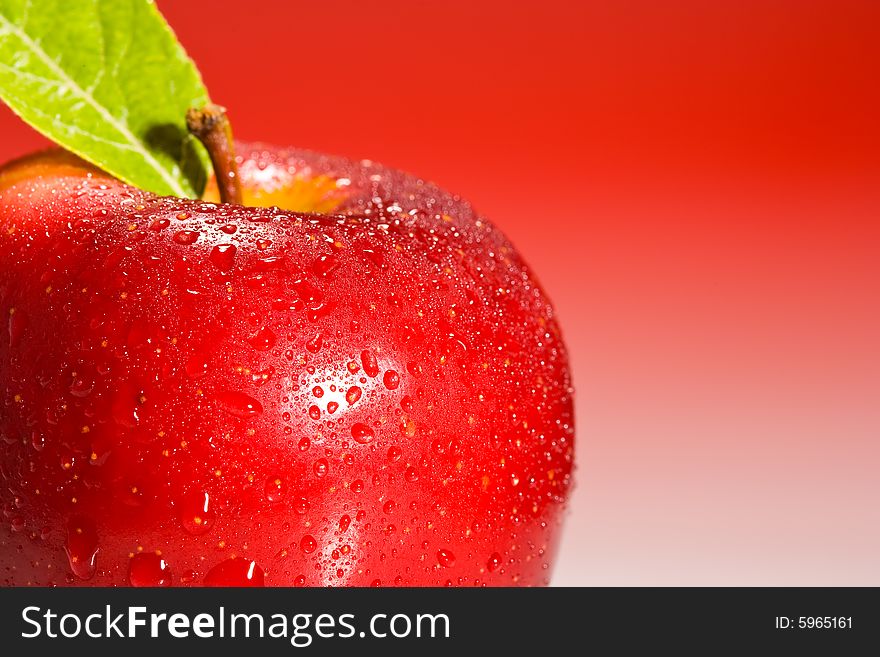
211	126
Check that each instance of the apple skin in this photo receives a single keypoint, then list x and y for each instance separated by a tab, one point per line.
195	393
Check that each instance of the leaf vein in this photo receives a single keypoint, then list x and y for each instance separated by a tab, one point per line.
132	142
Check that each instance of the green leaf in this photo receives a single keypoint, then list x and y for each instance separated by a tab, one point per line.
108	80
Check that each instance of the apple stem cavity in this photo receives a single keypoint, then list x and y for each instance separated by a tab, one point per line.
211	126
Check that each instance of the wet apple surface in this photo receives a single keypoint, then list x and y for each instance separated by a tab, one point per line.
205	394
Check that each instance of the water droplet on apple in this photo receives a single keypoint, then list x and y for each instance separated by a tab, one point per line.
321	467
445	558
148	570
275	489
308	544
368	361
494	562
81	547
362	433
196	513
186	237
239	404
374	255
223	256
263	340
301	505
391	379
38	440
353	394
236	572
325	264
307	292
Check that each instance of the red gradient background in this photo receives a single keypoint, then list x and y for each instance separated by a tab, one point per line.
697	185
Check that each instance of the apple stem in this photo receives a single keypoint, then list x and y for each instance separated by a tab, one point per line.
211	126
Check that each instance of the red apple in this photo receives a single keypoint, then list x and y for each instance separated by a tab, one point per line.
367	387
